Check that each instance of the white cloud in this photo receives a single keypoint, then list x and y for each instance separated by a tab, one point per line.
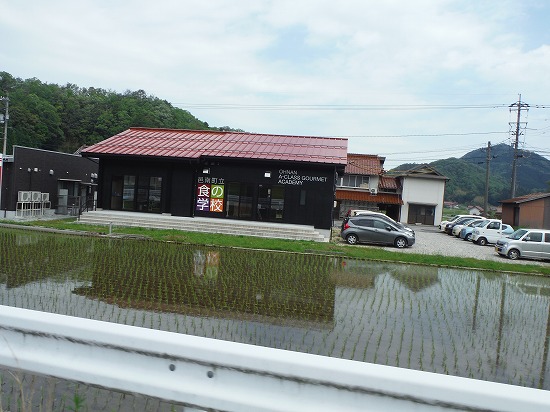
319	52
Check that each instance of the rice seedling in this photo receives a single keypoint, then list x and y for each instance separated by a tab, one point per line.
426	318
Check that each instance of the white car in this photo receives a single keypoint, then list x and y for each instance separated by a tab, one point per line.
457	228
490	232
444	223
525	243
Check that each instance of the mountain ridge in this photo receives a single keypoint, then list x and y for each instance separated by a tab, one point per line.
467	174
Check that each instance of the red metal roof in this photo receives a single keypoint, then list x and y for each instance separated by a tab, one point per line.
362	164
363	196
196	143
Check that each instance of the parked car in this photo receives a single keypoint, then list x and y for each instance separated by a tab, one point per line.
525	243
443	224
373	229
458	228
356	212
466	231
490	232
459	222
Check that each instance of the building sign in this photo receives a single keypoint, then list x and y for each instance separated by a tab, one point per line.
293	177
210	194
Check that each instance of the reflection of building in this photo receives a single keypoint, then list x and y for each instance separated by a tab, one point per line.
214	282
30	256
286	179
415	278
37	182
362	274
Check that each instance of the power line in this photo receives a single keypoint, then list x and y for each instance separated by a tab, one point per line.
419	135
338	107
360	107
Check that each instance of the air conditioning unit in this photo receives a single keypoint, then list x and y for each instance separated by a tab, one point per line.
23	196
45	197
373	190
36	196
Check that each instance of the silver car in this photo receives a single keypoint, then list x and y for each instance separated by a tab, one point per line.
525	243
373	229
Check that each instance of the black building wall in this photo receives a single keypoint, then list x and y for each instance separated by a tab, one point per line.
30	171
308	188
177	179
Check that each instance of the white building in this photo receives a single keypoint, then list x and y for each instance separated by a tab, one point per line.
422	193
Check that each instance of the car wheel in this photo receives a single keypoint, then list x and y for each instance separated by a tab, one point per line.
400	242
482	241
468	236
513	254
352	239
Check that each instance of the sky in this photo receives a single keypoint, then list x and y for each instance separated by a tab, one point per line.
411	81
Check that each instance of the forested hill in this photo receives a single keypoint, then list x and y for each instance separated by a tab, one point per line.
63	118
466	175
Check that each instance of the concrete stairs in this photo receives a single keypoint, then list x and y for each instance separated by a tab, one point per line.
205	225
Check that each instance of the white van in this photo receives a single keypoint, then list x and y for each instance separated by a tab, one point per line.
489	232
525	243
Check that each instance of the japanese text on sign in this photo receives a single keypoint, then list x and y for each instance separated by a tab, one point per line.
210	194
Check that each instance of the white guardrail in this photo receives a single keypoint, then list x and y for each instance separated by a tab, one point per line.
206	373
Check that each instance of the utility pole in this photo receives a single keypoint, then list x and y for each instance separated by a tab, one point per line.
5	119
487	163
519	106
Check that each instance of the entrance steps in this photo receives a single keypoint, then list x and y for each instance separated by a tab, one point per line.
205	225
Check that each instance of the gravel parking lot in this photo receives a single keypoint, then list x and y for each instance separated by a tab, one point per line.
429	240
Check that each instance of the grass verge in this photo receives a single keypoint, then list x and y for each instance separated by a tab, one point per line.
299	246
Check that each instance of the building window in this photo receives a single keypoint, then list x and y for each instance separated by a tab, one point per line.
354	181
139	193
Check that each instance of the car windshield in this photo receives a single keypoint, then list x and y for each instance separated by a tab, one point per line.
517	234
477	223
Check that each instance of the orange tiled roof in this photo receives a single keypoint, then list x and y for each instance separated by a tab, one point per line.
387	182
364	196
362	164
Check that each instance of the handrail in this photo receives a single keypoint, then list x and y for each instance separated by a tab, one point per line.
207	373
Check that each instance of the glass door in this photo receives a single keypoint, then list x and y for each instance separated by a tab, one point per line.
271	203
149	190
239	200
128	194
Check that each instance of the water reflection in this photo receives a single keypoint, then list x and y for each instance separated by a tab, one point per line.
466	323
213	282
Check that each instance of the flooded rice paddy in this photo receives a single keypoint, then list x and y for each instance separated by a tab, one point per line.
480	325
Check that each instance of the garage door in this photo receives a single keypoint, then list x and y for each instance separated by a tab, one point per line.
423	214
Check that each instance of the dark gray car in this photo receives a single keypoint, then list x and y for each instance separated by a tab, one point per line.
371	229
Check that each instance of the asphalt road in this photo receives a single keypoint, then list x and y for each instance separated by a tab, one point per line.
430	240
